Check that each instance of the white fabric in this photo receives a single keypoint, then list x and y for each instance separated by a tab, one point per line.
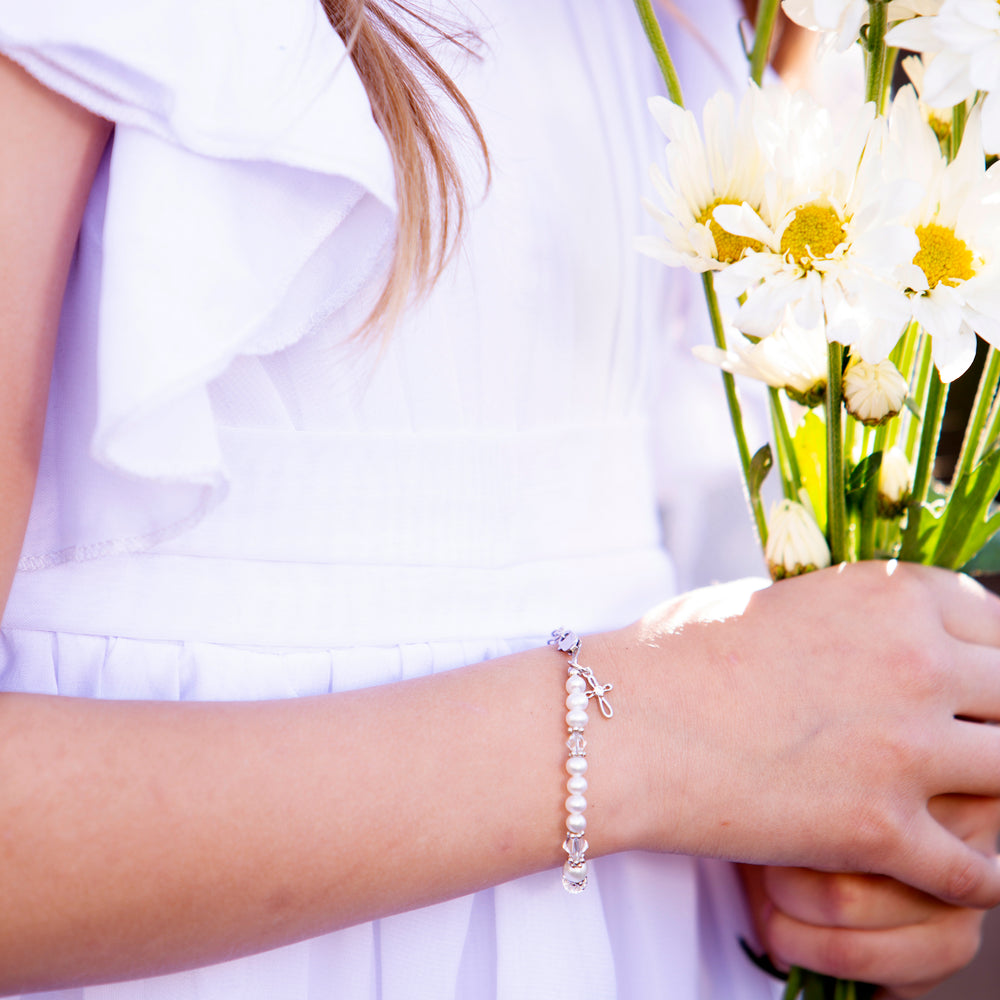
219	106
238	503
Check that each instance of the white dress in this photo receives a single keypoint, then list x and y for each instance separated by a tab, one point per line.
237	502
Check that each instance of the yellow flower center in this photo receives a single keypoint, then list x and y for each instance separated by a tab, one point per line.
942	256
728	247
941	126
813	234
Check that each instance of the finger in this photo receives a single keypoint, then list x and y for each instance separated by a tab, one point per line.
970	762
976	672
968	610
902	959
971	818
935	861
859	902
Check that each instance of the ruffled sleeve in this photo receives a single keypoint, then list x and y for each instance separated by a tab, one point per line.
247	196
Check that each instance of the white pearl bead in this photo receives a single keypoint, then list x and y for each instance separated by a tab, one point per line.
576	765
576	804
577	718
576	785
577	700
576	823
575	683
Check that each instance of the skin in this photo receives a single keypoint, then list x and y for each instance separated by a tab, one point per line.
281	820
867	926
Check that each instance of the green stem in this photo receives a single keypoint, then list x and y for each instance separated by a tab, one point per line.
958	116
735	411
904	356
875	87
866	440
881	437
654	34
937	396
972	442
923	380
791	475
849	430
763	31
658	44
992	427
836	527
891	57
794	985
869	516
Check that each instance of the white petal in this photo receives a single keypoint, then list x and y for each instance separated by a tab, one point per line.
991	123
946	81
742	220
953	355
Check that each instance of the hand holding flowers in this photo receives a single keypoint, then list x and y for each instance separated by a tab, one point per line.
860	252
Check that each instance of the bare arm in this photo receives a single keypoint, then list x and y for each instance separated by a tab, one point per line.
138	838
48	154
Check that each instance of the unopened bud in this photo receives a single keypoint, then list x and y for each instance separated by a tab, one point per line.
874	393
895	481
795	544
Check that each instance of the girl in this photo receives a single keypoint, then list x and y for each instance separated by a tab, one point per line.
259	545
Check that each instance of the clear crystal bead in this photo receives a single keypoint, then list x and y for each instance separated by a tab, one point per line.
576	744
576	847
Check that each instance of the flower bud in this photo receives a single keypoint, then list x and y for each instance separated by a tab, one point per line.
895	481
795	544
874	393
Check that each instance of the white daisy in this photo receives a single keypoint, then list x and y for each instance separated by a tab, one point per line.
842	19
937	116
724	167
792	359
955	288
964	35
831	243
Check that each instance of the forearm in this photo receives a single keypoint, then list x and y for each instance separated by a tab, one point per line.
141	838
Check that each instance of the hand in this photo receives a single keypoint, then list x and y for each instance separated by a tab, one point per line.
811	722
868	927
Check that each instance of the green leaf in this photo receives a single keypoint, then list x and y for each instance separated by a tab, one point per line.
967	524
862	502
760	466
810	449
818	987
863	480
919	548
987	561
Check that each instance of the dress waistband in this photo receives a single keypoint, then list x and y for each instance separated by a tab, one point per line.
451	498
334	540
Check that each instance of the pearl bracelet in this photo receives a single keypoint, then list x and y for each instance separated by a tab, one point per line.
581	686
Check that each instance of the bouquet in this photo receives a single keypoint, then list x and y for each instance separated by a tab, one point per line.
858	252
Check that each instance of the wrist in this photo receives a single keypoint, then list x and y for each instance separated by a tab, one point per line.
631	777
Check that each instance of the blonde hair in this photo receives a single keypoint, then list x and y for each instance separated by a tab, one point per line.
404	82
